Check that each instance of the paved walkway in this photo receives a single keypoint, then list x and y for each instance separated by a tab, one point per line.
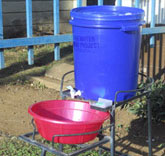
53	76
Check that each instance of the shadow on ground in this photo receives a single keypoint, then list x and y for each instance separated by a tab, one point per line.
40	61
138	136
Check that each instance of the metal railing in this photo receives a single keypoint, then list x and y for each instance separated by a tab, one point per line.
56	39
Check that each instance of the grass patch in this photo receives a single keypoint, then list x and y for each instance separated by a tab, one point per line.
17	65
13	146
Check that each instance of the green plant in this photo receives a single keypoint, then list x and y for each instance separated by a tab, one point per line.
120	126
38	85
14	147
157	101
127	129
161	145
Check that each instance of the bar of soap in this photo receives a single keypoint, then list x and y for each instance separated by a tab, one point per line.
103	103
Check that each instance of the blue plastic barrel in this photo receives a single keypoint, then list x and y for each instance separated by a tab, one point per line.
106	42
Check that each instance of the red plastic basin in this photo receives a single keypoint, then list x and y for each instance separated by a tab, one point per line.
67	117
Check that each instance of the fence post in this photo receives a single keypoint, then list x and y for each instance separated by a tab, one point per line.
2	61
153	5
56	28
29	27
137	3
100	2
79	3
119	2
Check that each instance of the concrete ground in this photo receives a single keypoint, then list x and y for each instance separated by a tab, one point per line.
52	78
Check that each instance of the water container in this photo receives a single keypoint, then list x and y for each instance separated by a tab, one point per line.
106	41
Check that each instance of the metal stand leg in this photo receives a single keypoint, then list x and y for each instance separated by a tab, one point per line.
112	131
100	151
34	129
43	153
61	147
149	127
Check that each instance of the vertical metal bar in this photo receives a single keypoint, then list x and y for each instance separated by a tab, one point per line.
1	21
43	152
141	3
79	3
29	28
100	2
119	2
142	59
100	151
159	11
153	17
61	147
34	129
137	3
2	60
56	12
147	11
160	52
149	127
132	3
154	58
112	131
148	58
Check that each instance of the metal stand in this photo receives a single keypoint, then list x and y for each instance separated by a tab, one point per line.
43	153
149	127
30	137
144	92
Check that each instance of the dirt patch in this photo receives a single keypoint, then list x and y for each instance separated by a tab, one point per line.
14	103
131	132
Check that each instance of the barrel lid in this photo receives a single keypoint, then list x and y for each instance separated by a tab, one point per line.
107	13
